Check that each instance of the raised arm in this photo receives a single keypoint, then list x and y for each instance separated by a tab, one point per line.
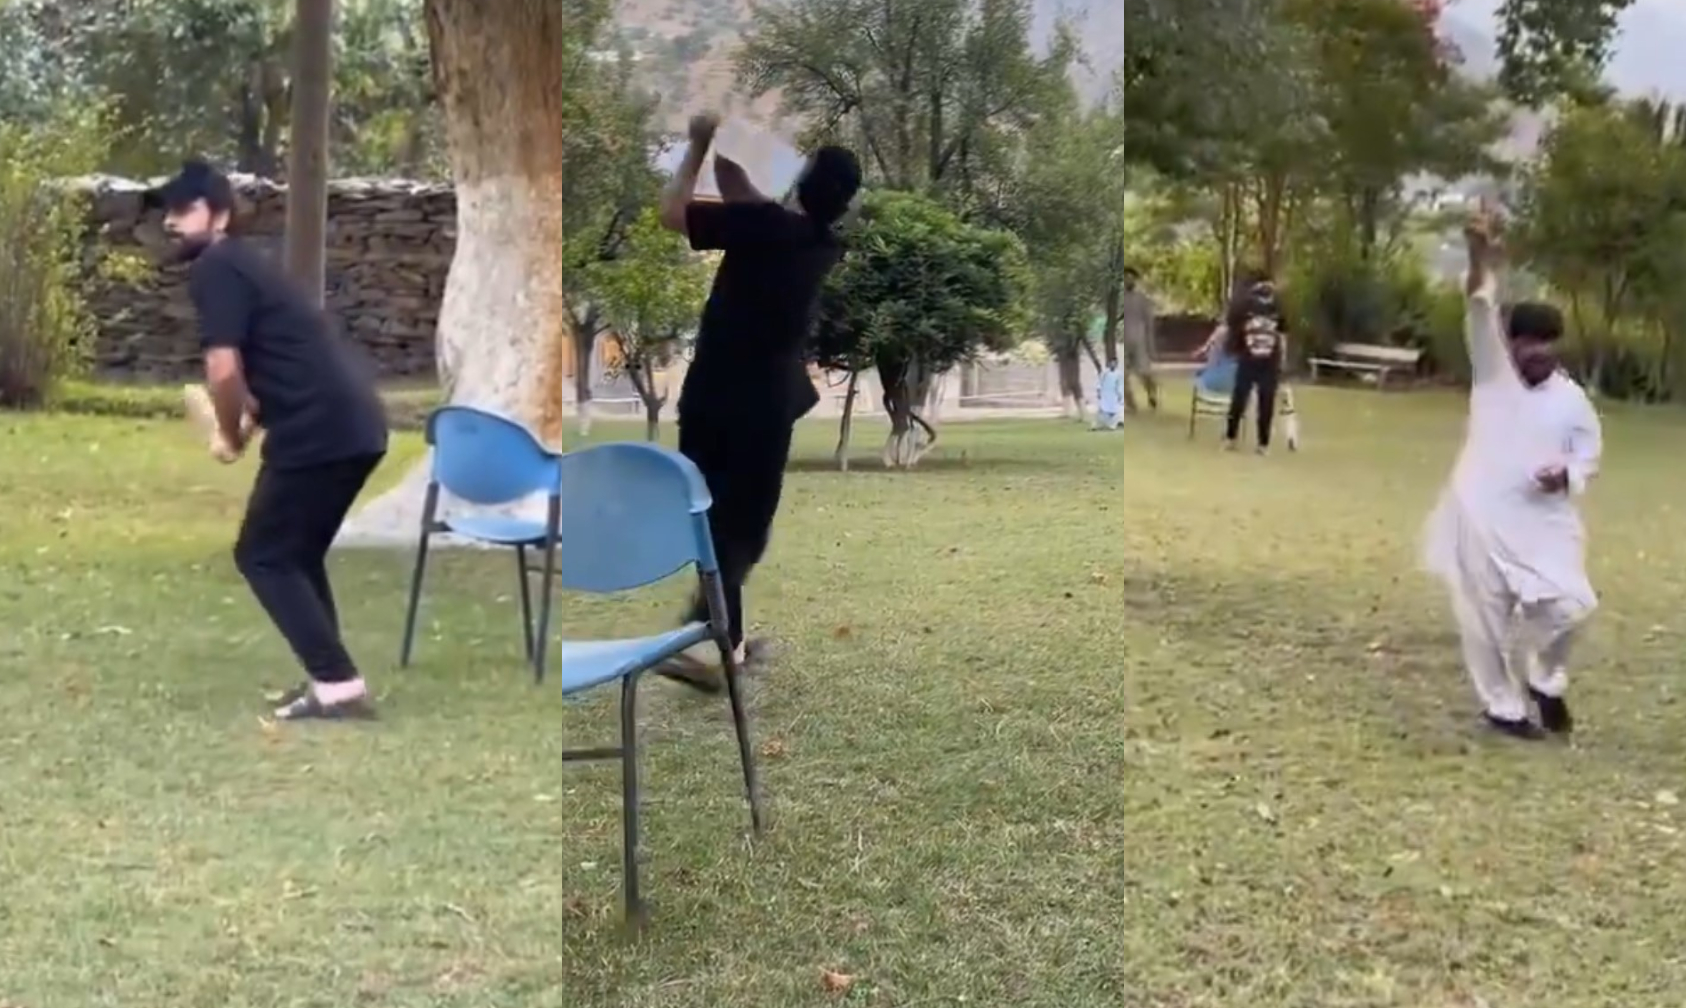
676	199
1489	358
733	182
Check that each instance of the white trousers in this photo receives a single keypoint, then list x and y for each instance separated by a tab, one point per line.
1509	641
1106	420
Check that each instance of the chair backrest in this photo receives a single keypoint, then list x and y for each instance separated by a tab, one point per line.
488	459
1217	377
632	514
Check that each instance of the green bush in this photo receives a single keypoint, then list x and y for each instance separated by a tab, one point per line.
1390	302
46	333
407	408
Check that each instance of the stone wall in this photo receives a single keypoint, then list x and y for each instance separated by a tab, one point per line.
389	246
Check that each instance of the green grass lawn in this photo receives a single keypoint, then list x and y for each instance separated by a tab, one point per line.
1065	719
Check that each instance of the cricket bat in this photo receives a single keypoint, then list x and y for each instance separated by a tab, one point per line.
772	163
202	413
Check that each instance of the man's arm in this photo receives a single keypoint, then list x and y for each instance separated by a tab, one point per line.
733	182
1586	447
676	199
1489	359
222	298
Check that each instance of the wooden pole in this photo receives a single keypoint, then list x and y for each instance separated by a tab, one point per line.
307	155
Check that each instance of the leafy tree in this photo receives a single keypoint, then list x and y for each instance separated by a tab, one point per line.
1391	103
1550	49
918	292
932	93
608	142
1600	215
45	329
1196	74
213	77
649	293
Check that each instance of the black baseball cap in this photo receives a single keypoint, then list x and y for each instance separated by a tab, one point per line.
197	180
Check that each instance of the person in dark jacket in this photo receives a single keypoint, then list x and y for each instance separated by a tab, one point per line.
1258	340
748	382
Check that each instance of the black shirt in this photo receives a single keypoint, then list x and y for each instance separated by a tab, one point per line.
1257	326
750	361
316	394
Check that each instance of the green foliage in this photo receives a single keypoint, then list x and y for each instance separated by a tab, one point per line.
920	287
1602	219
1550	49
1336	297
406	408
934	94
649	292
212	77
45	330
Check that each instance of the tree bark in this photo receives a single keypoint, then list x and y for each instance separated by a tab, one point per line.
584	331
841	456
644	383
307	170
498	72
1070	366
906	387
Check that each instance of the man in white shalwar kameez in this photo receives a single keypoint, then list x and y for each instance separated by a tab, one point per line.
1506	536
1109	398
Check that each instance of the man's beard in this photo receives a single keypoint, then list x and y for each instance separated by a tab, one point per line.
189	247
1536	371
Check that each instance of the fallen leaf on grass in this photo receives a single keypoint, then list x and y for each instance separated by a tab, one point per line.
842	633
1667	798
1265	812
774	749
271	731
835	982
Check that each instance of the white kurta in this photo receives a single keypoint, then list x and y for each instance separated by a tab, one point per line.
1110	395
1512	554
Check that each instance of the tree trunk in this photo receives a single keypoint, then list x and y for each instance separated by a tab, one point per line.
905	388
307	171
498	72
841	456
584	333
1113	302
1070	366
644	383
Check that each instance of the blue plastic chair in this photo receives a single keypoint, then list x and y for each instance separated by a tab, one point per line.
1213	385
632	515
489	460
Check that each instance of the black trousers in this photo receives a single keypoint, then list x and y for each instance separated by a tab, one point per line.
744	466
291	520
1265	375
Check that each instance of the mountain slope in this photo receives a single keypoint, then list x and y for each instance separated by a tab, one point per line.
684	50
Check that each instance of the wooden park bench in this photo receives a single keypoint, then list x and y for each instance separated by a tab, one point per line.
1369	360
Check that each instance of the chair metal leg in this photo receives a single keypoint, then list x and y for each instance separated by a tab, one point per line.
541	639
629	800
526	600
429	507
740	723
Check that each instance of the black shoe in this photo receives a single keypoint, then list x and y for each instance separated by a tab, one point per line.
1521	728
1554	713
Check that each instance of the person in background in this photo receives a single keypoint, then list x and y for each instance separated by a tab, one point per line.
1257	331
1109	398
748	381
1137	323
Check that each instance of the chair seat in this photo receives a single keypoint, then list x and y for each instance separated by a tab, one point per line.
499	529
591	663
